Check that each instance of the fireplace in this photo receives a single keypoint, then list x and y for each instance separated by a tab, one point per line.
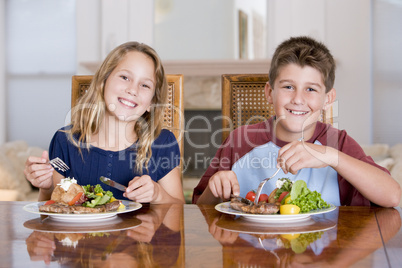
201	140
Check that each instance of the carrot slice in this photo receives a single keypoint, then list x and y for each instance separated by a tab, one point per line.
50	202
75	199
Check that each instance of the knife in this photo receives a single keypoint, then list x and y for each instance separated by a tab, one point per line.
112	183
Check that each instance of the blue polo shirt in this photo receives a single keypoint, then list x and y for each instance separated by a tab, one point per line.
260	163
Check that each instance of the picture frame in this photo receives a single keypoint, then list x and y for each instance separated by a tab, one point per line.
243	35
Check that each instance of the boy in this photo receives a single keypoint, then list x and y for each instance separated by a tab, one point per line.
300	87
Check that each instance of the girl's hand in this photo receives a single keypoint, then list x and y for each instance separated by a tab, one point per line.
38	171
142	189
146	231
41	246
300	154
223	183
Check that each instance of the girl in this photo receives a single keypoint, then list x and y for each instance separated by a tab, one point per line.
116	132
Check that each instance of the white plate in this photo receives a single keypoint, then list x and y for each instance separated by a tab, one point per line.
225	208
130	206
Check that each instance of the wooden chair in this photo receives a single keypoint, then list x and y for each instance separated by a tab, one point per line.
244	102
174	113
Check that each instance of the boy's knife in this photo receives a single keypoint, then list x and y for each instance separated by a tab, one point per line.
112	183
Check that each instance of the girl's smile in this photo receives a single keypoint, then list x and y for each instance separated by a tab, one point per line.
130	88
127	103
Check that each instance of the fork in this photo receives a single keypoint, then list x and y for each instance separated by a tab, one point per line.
257	194
59	164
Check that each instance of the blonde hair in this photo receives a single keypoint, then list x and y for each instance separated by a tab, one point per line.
88	114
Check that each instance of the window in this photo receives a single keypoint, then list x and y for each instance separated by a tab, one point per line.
40	60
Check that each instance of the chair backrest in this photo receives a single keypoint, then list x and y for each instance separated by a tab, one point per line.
173	117
244	102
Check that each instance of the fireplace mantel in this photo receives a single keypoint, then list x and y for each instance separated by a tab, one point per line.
205	67
202	79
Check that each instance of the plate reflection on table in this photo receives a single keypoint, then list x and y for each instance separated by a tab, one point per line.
128	240
309	225
296	236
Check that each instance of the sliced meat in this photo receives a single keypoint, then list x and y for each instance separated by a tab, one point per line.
236	204
249	207
79	209
55	208
112	206
262	208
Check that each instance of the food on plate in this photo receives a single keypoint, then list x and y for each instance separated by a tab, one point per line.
282	190
69	197
289	209
251	196
247	206
67	192
296	193
287	198
79	209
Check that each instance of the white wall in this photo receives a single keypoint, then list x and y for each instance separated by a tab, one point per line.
3	107
387	67
193	29
349	38
345	27
88	21
40	62
293	18
206	30
104	24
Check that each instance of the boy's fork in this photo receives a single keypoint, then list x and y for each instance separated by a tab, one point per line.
257	194
59	164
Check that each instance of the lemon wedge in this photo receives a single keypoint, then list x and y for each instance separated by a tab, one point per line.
289	209
121	207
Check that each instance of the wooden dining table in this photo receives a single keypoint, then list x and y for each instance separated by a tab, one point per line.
200	236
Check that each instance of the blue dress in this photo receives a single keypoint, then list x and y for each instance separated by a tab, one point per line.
89	165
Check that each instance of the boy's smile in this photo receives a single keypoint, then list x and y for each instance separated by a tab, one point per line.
298	97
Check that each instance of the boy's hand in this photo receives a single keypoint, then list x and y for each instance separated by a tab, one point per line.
300	154
225	237
223	183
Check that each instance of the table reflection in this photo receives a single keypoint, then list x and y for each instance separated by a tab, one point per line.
330	240
154	239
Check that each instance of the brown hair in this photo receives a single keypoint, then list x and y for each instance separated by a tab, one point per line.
304	51
90	110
